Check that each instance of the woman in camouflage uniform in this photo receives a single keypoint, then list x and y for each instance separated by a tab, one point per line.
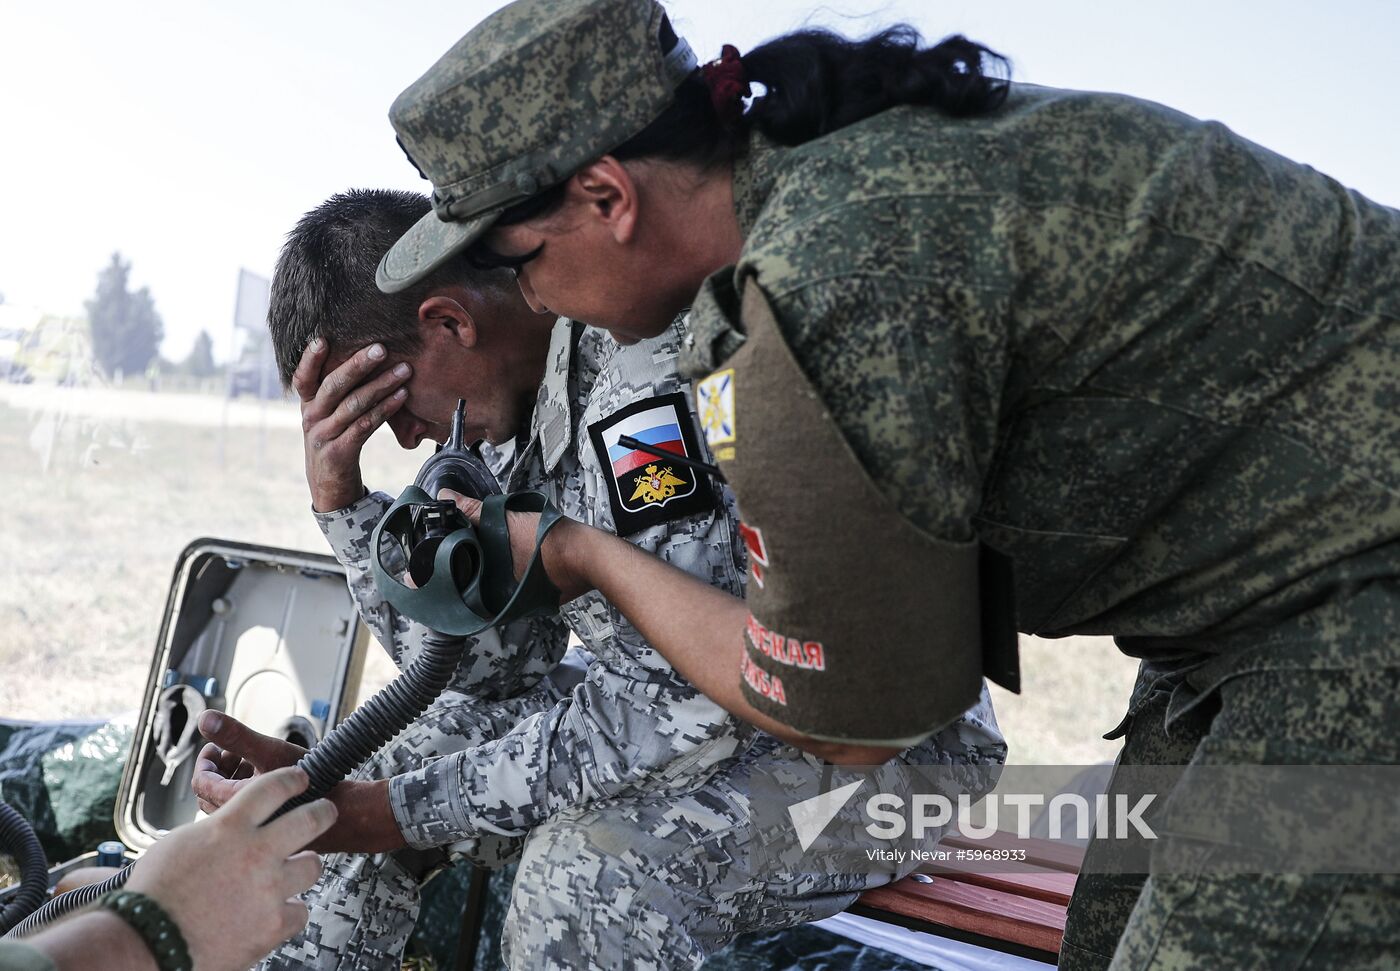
1153	365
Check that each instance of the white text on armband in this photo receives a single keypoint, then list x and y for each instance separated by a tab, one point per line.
786	650
767	685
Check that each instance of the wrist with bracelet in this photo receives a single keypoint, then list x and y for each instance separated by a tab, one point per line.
150	921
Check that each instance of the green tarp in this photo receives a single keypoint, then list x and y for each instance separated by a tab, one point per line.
63	778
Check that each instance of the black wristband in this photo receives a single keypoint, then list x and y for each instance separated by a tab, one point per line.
149	919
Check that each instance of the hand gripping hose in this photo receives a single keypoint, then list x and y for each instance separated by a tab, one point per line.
489	599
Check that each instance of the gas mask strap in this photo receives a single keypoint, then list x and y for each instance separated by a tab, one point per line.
471	586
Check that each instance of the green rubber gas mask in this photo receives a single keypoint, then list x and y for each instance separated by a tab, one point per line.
462	577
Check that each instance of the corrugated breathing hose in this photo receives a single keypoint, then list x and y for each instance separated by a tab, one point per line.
18	840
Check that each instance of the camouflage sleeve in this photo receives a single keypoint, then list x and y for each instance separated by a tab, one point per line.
913	380
588	747
705	545
500	787
348	532
632	720
498	664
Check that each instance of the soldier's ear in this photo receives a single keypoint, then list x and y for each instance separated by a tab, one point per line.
445	318
610	194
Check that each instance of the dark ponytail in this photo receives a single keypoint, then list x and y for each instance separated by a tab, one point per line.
815	82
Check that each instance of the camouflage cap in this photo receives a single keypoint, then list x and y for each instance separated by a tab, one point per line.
531	94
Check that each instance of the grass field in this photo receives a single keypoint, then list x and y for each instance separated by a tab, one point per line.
106	487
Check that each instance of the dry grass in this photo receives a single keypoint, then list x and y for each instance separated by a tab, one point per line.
1073	690
105	488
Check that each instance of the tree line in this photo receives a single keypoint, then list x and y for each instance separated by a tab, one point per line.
127	330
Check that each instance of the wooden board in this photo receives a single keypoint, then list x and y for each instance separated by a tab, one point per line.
1051	886
1016	906
980	911
1051	855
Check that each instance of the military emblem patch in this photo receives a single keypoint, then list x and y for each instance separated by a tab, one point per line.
715	397
644	488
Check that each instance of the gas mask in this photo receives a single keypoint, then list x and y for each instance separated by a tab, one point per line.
460	575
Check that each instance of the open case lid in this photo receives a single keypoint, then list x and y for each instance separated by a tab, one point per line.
270	636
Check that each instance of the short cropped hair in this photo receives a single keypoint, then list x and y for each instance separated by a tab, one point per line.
324	282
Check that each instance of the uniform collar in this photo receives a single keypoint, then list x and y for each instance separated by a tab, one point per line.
716	333
755	171
552	422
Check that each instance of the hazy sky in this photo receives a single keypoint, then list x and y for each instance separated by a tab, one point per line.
191	134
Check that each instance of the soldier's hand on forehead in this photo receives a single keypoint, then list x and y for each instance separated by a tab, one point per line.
339	412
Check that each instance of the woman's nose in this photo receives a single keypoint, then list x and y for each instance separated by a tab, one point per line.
528	292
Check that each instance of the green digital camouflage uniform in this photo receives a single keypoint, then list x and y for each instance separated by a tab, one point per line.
1153	364
1157	366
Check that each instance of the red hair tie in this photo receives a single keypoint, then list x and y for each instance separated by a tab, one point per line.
727	84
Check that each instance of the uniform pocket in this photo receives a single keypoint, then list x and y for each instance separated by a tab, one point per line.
1077	476
1049	568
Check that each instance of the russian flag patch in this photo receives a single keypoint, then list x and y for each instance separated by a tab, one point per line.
645	488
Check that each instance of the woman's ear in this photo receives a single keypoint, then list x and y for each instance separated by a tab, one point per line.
610	195
442	317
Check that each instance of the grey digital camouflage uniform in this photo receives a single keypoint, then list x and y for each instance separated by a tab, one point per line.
1159	367
623	794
